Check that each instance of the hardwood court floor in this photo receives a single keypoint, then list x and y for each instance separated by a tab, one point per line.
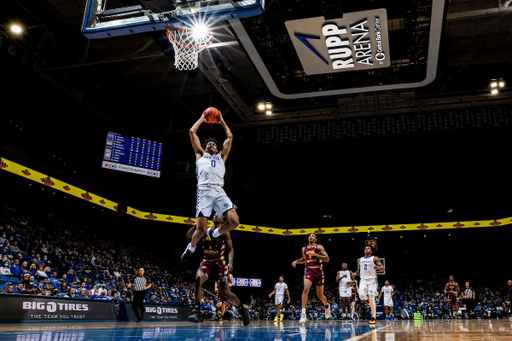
459	330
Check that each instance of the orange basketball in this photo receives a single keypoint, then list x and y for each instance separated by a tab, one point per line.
211	115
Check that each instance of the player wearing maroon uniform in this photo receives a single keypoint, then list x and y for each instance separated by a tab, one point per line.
353	299
214	266
313	255
452	289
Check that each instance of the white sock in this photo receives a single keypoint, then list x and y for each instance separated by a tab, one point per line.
191	248
216	233
304	311
372	305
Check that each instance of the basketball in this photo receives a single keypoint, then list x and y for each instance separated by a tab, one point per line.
211	115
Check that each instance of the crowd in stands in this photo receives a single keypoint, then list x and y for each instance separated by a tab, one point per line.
42	254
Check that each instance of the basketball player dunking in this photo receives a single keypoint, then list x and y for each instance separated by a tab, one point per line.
214	266
210	170
452	289
345	280
279	290
366	269
313	255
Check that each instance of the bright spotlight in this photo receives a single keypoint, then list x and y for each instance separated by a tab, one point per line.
502	84
199	31
494	84
268	106
494	91
268	112
16	29
261	106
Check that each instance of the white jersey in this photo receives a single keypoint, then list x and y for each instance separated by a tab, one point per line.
387	290
210	170
280	288
367	268
344	281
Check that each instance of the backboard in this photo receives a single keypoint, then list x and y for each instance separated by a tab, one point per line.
105	19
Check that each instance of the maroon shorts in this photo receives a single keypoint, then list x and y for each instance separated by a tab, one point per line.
214	270
453	299
315	275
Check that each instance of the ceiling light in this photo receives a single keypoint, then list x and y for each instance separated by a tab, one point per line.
494	91
261	106
268	112
199	31
494	84
502	84
268	106
16	29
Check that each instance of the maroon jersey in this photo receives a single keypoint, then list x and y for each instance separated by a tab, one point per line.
213	248
452	289
312	262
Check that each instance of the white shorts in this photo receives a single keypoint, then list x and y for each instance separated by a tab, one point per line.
212	198
346	292
388	301
279	299
367	287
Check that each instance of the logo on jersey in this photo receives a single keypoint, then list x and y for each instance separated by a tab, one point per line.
150	216
26	172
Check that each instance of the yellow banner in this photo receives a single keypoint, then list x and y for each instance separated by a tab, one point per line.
56	184
329	230
77	192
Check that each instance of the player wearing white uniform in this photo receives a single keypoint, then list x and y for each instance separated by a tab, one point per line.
210	170
279	290
367	267
345	281
388	292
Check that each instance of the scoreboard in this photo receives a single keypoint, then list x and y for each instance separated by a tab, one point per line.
132	155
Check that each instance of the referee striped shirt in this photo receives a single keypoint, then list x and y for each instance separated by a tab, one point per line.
140	283
469	293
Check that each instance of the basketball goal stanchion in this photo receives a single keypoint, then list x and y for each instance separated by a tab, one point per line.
187	46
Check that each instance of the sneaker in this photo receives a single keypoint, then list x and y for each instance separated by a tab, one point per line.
391	317
372	320
328	312
275	318
303	318
281	317
186	257
387	318
246	317
196	316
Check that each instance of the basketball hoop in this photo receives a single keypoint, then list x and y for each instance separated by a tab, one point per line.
187	46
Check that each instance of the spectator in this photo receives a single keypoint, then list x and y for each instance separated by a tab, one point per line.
9	288
19	288
48	272
15	268
54	280
44	284
33	270
5	269
40	272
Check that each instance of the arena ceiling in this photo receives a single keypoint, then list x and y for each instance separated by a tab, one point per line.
116	76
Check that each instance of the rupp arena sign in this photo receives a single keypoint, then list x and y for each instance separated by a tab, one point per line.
359	41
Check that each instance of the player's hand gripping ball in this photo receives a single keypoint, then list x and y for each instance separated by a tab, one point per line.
211	115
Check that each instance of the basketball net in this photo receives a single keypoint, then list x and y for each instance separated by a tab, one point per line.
187	47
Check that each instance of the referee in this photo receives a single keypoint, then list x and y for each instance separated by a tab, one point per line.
469	297
140	285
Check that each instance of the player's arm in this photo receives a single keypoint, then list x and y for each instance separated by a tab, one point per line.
381	293
338	278
229	251
196	144
191	232
226	146
458	290
302	260
273	292
323	256
378	264
446	288
289	297
216	287
355	274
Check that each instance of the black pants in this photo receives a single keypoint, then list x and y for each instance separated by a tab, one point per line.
470	305
138	304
